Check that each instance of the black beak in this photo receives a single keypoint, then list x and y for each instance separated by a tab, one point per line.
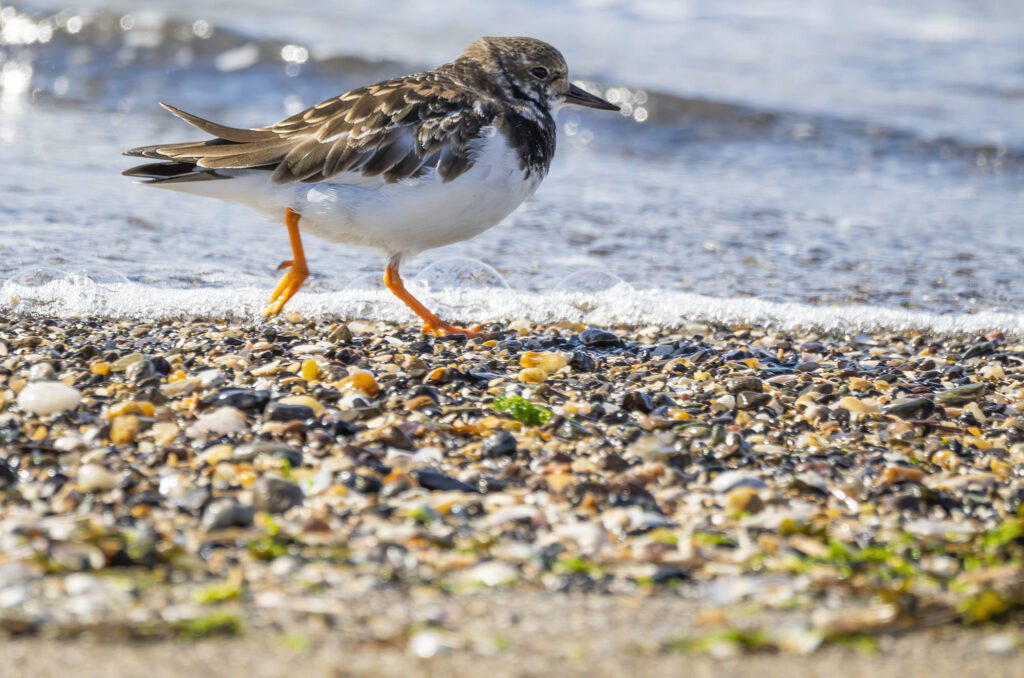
578	96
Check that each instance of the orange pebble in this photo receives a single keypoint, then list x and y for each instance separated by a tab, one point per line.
533	375
310	370
361	381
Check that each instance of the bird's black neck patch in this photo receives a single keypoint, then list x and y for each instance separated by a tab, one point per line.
533	140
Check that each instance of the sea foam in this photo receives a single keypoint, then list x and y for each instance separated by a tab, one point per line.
615	305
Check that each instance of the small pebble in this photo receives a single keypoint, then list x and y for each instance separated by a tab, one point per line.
500	444
596	338
48	397
275	495
124	428
743	500
858	405
220	421
95	478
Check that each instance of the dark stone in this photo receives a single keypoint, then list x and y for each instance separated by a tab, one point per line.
911	408
453	338
637	401
663	351
285	412
343	428
160	365
582	362
748	400
595	337
241	398
664	400
279	450
394	436
139	371
500	444
467	510
961	395
485	484
903	502
149	395
748	383
420	347
979	349
288	454
428	391
8	477
360	483
632	494
51	485
669	573
194	500
435	480
570	429
341	335
227	512
275	495
613	462
616	417
146	497
577	493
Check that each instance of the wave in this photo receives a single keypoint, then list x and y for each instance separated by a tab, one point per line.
124	62
619	305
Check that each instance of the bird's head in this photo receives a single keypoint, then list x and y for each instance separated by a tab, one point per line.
531	71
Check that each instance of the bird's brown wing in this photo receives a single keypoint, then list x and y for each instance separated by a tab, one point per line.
395	129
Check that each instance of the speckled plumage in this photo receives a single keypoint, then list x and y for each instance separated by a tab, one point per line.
396	129
403	165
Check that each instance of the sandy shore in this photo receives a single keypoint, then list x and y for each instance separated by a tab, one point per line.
360	495
573	635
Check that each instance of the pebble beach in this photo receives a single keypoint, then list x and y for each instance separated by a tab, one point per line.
179	479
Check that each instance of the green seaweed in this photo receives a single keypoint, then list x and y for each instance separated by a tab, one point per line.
577	564
713	539
862	641
267	547
218	592
296	642
217	623
1003	534
522	409
743	639
985	606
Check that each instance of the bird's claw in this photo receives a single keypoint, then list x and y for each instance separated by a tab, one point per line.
442	329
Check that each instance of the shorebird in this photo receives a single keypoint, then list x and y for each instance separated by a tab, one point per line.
402	166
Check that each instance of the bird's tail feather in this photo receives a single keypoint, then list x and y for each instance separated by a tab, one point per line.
171	172
233	148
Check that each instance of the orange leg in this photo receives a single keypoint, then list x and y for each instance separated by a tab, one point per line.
297	269
431	323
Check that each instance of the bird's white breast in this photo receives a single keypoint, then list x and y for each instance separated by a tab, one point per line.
401	218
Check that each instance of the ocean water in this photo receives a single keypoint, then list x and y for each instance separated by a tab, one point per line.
842	166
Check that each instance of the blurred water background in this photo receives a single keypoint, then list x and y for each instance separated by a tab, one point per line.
846	164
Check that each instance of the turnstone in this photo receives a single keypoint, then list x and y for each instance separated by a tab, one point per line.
402	166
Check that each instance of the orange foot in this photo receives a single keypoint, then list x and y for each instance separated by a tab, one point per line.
431	323
440	329
286	289
297	269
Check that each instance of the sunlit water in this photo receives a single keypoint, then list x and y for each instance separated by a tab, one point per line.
831	164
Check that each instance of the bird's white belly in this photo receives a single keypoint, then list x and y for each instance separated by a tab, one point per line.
401	218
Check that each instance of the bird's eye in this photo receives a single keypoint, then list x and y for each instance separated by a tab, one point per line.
540	72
